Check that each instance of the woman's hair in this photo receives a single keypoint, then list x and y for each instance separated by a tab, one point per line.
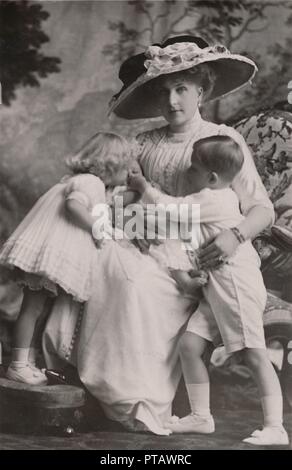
219	153
202	75
102	151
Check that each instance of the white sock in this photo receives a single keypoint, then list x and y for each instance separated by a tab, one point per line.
19	357
273	410
199	397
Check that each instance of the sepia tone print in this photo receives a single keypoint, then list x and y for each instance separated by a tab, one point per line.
145	225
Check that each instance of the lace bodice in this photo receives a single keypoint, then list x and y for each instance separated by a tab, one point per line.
165	156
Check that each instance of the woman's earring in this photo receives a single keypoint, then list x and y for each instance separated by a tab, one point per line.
200	98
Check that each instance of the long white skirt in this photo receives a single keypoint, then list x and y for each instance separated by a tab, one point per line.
126	348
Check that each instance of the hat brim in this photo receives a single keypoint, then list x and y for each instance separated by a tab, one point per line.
137	101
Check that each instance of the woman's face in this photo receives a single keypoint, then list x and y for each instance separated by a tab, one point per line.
178	100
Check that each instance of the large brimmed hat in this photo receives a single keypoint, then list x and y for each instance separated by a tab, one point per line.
136	99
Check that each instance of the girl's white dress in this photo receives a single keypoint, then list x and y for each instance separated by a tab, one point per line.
125	346
47	249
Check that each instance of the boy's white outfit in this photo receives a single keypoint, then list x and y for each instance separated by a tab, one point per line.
235	296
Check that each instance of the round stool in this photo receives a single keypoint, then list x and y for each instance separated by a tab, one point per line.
28	408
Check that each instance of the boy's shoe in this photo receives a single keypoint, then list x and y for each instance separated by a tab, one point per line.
268	436
26	374
192	423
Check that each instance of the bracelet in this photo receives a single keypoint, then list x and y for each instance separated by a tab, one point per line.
238	234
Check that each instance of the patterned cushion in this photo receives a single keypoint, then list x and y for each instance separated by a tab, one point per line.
277	310
269	136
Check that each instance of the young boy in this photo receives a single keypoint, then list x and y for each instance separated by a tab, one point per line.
234	297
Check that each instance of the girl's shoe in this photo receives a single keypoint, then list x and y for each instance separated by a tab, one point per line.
192	423
26	374
40	372
268	436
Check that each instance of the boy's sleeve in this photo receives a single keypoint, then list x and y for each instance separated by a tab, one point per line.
247	184
203	207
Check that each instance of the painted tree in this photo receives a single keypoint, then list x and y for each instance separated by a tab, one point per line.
224	21
271	85
228	22
129	39
21	39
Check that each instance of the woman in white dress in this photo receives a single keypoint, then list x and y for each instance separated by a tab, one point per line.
125	347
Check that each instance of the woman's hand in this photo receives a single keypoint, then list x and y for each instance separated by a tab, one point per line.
217	251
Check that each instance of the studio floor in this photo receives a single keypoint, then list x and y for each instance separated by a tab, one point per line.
236	410
231	428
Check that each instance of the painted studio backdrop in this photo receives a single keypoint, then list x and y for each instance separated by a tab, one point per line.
59	69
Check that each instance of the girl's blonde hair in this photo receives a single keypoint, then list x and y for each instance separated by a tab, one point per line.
102	151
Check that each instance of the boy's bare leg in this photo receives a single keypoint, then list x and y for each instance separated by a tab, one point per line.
270	392
197	383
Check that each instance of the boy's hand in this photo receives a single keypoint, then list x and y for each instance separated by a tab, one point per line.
199	273
98	243
136	181
192	286
135	168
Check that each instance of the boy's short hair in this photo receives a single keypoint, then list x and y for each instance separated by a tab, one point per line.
221	154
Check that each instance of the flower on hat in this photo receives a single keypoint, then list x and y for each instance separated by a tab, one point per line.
136	100
182	54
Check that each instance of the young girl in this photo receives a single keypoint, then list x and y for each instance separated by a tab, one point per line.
52	250
234	296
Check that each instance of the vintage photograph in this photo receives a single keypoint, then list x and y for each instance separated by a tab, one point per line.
145	226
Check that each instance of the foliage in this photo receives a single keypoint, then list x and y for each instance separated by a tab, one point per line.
217	21
21	38
125	47
224	21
